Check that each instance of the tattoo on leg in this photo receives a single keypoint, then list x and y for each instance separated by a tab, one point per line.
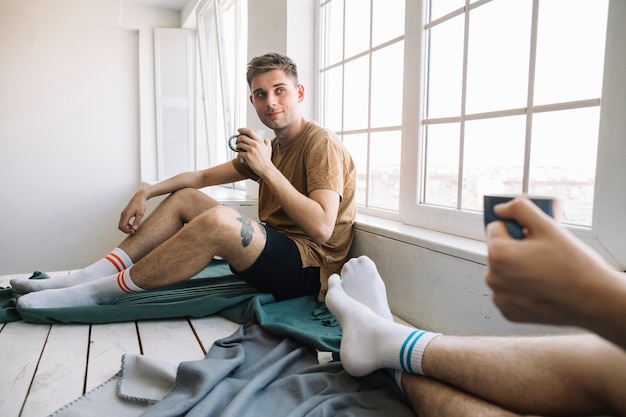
246	230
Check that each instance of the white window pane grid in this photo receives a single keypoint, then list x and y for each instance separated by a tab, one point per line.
497	57
563	159
438	9
356	94
388	20
384	172
357	146
493	159
442	167
331	20
532	154
332	91
361	75
570	59
387	72
445	69
357	27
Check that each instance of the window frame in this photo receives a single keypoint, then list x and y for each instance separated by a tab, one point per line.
608	226
369	131
607	223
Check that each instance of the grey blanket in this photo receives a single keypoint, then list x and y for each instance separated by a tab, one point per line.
255	374
251	373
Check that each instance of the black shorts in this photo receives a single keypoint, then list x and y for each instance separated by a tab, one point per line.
278	270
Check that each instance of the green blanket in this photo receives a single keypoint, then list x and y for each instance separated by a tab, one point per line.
214	290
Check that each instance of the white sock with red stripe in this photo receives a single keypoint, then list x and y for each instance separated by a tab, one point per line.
116	261
100	291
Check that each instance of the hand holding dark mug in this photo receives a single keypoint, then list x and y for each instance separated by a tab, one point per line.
547	204
233	140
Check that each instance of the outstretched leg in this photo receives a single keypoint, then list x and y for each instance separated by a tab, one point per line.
116	261
166	220
101	291
219	231
577	374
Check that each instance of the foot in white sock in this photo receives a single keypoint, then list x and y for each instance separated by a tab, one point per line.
101	291
361	281
78	295
115	261
370	342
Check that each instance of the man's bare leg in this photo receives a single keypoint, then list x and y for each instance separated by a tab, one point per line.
167	219
218	231
544	375
550	375
432	398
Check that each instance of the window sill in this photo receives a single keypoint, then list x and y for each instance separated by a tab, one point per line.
229	196
464	248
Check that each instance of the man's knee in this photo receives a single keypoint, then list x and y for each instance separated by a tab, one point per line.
218	219
187	195
189	202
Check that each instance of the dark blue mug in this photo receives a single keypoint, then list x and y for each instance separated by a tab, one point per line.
546	204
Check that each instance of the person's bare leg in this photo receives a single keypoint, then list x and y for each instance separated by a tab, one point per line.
430	397
167	219
574	374
539	375
219	231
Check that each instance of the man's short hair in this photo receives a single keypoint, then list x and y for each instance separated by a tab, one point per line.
269	62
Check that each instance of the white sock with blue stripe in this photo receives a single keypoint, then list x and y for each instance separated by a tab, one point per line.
412	351
371	342
411	354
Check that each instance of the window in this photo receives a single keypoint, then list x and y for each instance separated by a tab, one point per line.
500	96
362	55
223	90
512	102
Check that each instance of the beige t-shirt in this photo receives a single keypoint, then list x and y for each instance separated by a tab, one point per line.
315	160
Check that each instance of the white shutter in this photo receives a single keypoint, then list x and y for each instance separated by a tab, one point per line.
173	56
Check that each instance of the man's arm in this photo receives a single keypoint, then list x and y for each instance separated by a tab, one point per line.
315	214
132	215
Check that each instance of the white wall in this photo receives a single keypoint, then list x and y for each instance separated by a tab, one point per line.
286	27
73	112
77	103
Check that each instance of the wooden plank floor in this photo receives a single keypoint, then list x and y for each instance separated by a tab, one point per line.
45	366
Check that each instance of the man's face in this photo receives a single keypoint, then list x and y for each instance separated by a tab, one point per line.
276	99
